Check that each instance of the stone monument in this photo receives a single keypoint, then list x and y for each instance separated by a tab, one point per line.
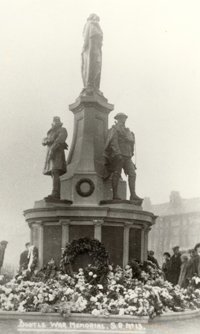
92	202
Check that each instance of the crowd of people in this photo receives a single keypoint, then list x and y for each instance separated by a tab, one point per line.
28	258
179	267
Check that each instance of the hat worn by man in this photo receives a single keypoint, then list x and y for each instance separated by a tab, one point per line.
175	247
56	119
3	242
166	254
120	115
151	252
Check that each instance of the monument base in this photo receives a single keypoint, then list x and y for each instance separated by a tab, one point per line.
57	200
137	202
121	227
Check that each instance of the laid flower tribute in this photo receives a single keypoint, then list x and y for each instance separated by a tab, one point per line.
98	289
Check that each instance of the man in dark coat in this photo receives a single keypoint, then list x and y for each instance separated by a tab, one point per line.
151	258
55	164
182	281
119	150
193	268
175	265
23	262
166	265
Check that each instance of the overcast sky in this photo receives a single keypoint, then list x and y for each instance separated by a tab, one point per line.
151	71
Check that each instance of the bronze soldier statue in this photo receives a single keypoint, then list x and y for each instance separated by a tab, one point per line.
55	164
118	153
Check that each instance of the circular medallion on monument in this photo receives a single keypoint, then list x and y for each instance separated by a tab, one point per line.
85	187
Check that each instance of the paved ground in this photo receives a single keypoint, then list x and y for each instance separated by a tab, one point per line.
191	326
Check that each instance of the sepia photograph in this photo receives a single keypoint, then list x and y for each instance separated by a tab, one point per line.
100	166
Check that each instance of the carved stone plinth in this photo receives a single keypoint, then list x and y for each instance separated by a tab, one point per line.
121	227
56	200
137	202
84	182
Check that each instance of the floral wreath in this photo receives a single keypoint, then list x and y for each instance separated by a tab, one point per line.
93	247
88	192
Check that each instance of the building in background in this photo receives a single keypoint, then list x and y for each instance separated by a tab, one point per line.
178	224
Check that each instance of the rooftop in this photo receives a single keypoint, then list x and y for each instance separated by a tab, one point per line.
176	205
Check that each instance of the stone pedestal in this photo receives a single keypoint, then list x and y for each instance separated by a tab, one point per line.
121	226
84	182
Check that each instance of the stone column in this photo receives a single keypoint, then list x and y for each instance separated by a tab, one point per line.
65	231
126	244
97	228
145	248
142	245
40	245
31	236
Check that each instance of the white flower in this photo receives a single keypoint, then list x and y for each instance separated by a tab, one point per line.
40	296
21	308
196	279
93	299
90	273
146	294
96	312
132	308
7	291
100	286
69	291
51	297
197	292
121	311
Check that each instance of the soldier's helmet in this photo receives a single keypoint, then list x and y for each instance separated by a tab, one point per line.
120	115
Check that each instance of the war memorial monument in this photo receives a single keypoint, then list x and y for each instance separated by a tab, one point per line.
89	196
87	268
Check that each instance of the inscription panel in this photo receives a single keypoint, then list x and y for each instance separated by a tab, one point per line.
52	243
135	244
113	239
78	231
